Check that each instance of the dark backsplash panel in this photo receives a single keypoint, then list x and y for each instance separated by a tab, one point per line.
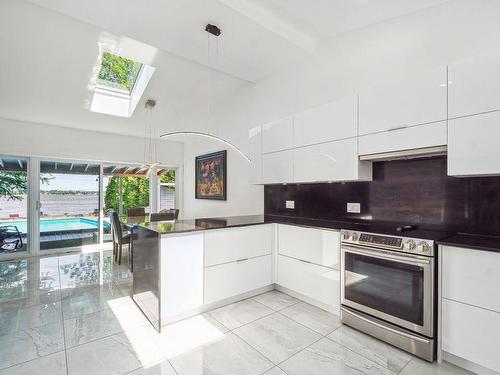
415	192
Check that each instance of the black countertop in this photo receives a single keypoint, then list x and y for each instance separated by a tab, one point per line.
473	241
478	242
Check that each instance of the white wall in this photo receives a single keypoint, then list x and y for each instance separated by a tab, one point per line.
30	139
242	198
356	60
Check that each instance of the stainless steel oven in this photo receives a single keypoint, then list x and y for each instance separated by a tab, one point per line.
388	289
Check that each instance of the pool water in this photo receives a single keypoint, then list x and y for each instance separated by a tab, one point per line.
58	225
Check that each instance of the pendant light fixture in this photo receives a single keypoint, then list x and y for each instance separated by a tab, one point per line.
212	31
150	140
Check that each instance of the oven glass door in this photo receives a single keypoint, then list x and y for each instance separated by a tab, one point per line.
390	287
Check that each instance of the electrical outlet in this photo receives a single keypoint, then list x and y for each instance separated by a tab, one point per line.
290	204
354	208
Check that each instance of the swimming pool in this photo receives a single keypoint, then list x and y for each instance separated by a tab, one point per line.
58	225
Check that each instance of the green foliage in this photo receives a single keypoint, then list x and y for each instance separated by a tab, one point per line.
168	177
135	193
13	184
119	70
69	192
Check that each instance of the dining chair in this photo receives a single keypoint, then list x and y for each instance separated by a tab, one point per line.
174	211
119	239
164	216
137	211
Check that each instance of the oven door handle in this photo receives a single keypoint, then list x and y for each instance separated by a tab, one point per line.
386	256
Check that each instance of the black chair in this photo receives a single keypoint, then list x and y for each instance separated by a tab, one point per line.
174	211
164	216
139	211
10	239
119	239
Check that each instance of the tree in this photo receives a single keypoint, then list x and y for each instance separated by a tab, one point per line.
135	193
13	184
168	177
119	70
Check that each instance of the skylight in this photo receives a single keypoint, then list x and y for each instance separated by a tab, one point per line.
120	84
118	73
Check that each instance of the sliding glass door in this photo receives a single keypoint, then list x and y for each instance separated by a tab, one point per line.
14	223
69	204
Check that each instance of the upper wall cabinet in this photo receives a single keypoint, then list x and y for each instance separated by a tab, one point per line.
277	135
332	161
413	100
474	85
474	145
255	151
277	167
335	120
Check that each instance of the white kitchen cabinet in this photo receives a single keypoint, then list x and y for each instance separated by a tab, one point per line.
277	135
418	98
335	120
230	279
232	244
333	161
474	85
255	154
415	137
311	280
471	276
471	333
277	167
319	246
181	273
474	145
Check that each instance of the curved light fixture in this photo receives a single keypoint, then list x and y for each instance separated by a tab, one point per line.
210	136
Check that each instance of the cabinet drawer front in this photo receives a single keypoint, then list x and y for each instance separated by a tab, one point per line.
420	136
333	161
277	135
229	245
474	144
471	276
317	246
471	333
417	98
474	85
277	167
230	279
335	120
317	282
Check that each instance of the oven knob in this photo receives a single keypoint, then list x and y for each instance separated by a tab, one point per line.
354	236
345	235
423	247
410	245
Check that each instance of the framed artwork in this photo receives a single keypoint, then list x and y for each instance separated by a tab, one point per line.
211	176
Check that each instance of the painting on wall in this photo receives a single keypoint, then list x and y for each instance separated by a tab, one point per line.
211	176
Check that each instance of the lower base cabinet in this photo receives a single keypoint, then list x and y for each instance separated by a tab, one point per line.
471	333
317	282
230	279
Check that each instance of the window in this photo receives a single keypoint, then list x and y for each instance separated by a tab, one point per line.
120	84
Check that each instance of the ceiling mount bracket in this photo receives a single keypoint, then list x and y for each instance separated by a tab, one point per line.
212	29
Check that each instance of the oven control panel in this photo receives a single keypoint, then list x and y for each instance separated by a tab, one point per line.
381	241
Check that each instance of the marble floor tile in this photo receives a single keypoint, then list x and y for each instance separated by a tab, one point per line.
53	364
276	300
89	327
30	344
419	367
275	371
163	368
369	347
107	356
328	357
87	301
313	317
277	337
240	313
14	320
227	356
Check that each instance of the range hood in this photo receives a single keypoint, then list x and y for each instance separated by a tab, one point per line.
425	152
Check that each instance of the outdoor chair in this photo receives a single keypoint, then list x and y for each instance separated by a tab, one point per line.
10	239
